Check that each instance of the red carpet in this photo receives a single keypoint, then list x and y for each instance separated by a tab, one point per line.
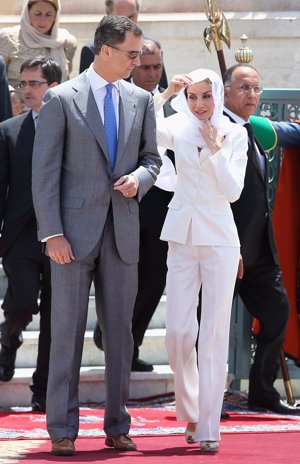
21	423
243	448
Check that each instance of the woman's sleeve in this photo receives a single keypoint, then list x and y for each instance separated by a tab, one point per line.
230	163
6	46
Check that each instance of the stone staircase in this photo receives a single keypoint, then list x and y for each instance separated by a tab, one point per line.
92	388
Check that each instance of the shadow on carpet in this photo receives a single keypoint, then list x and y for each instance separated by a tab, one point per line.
154	416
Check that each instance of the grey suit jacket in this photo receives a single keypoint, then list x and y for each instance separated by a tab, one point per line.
72	180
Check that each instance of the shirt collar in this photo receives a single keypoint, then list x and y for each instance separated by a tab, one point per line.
235	117
97	82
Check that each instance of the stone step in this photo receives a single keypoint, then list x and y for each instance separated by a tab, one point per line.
153	349
157	322
91	387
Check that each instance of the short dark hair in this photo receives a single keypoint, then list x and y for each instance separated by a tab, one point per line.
112	30
227	76
109	5
51	70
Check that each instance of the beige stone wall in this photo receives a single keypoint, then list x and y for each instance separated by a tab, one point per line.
163	6
274	36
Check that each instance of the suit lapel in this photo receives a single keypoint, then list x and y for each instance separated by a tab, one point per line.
252	156
27	131
85	102
127	112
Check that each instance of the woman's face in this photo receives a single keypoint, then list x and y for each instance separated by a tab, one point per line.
200	100
42	16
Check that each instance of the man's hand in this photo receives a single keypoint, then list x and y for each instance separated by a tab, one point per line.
59	250
127	185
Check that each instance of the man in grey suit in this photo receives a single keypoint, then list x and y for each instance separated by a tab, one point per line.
87	210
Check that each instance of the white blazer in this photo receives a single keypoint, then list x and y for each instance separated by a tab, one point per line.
206	185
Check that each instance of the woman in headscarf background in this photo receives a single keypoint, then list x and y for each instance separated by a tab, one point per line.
37	34
204	248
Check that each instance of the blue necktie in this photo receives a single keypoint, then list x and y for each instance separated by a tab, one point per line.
110	125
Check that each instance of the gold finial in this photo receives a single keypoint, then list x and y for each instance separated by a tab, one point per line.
219	29
244	55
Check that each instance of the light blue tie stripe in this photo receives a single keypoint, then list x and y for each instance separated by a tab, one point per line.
110	125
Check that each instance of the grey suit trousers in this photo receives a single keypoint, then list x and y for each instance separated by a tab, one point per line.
115	290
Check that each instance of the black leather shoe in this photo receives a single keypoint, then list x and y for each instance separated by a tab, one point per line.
7	363
138	365
279	407
98	337
38	403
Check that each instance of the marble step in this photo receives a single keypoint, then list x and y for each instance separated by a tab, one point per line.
153	349
91	386
157	321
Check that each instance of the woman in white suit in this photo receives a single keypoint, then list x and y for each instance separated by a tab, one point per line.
204	248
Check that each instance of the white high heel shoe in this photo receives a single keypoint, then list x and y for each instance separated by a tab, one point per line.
209	447
190	436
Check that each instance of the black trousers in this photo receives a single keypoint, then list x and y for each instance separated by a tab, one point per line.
152	268
28	293
261	290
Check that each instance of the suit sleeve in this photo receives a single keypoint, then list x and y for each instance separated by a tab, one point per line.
47	165
288	134
5	103
149	160
4	172
230	164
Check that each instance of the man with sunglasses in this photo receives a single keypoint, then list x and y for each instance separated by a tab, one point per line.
89	174
129	8
260	288
26	266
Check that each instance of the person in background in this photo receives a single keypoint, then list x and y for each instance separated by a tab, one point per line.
203	246
37	34
261	288
129	8
5	103
16	103
26	266
89	174
152	266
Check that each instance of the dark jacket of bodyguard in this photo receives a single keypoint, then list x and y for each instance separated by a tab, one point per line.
26	266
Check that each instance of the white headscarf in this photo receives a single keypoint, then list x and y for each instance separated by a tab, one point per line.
186	124
54	41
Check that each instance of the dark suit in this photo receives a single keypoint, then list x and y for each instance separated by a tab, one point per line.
5	103
261	288
152	268
87	57
27	268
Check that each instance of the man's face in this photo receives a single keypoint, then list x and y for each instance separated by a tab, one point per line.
33	96
243	103
148	74
126	8
119	64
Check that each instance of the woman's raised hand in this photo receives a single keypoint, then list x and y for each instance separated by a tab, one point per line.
178	82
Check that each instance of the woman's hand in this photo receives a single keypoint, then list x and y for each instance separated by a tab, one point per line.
178	82
211	135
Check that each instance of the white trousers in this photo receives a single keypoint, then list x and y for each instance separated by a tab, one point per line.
199	391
